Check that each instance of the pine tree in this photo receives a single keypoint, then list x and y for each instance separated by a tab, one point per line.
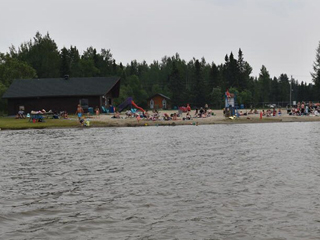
42	54
265	84
199	90
316	74
75	68
65	62
244	71
176	85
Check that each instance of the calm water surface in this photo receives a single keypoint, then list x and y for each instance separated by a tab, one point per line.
248	181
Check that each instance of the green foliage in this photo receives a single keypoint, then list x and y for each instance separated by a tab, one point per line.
216	98
3	103
88	69
245	97
133	89
264	84
41	54
316	73
195	82
11	68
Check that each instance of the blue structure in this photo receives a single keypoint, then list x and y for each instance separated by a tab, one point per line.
230	103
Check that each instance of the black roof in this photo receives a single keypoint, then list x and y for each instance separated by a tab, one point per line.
60	87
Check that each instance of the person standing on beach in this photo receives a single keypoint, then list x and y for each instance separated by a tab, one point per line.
97	110
79	111
188	108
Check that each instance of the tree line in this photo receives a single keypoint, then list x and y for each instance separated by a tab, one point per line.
196	81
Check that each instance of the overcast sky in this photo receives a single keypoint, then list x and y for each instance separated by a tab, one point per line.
281	34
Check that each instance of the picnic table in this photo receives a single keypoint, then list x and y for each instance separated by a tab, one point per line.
36	117
39	117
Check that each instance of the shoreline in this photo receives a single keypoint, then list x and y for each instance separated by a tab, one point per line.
102	121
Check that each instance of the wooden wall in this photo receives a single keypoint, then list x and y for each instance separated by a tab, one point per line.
158	102
58	104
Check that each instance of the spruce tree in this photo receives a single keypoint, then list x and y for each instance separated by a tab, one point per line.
316	74
65	62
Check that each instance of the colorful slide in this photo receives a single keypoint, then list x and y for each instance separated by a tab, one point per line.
128	102
136	106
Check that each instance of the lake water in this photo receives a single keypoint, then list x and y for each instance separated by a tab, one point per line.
247	181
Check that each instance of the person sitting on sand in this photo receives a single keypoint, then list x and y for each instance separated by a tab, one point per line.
81	121
175	117
129	114
188	116
116	115
166	117
201	112
155	115
209	112
20	114
65	115
268	113
196	114
146	115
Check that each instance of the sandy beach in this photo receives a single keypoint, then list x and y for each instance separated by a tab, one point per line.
217	118
106	120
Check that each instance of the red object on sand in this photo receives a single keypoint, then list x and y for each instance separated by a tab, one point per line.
228	94
183	109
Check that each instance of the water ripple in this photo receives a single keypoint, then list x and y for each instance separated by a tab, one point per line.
248	181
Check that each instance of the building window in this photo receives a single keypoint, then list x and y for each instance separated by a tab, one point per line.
151	104
164	104
84	103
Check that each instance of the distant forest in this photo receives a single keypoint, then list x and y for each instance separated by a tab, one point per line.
195	81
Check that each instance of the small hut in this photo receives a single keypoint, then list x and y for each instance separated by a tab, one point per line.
159	101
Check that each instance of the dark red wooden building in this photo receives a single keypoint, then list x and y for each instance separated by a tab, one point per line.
61	94
159	101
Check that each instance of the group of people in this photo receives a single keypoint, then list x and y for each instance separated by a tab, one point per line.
21	114
271	112
301	109
304	109
182	114
203	112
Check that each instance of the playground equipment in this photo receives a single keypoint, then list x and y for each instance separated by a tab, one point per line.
185	109
230	99
129	102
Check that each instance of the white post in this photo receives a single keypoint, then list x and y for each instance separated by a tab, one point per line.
290	91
